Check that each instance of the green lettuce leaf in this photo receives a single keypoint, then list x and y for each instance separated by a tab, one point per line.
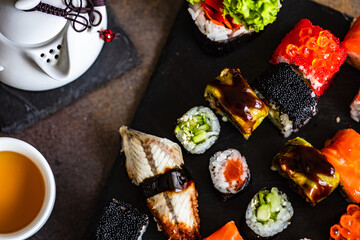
253	14
193	1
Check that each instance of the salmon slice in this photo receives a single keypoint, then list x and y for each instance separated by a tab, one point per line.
343	152
148	155
352	43
228	232
150	158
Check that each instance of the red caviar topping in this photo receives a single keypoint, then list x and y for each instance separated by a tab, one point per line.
349	225
318	53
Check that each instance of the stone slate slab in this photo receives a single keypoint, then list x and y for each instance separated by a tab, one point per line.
178	84
20	109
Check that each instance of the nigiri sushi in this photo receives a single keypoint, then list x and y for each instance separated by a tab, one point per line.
355	108
268	213
291	103
198	129
120	220
352	43
229	172
315	52
227	232
222	23
343	152
312	175
173	200
231	96
348	226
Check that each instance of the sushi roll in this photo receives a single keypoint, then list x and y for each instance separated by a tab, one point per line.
120	220
222	24
156	165
198	129
227	232
351	43
290	101
348	226
307	168
231	96
355	108
316	53
343	152
229	172
268	213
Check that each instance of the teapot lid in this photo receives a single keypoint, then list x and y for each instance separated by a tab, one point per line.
29	27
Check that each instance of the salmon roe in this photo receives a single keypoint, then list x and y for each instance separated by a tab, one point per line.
315	51
349	225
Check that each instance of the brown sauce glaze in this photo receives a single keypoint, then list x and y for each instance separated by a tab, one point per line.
237	97
309	162
173	180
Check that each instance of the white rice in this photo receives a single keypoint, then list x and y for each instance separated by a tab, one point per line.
272	227
213	31
212	134
355	110
217	168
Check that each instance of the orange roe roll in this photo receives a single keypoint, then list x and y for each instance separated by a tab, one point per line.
349	225
316	53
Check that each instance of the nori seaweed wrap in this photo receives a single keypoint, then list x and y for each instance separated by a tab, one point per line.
290	101
312	175
231	96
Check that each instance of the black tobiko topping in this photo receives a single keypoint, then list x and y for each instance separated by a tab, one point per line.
284	87
120	220
174	180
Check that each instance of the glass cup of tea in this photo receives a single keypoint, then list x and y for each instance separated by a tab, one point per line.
27	189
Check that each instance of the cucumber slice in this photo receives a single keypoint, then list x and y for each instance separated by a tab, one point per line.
263	213
204	127
200	136
274	200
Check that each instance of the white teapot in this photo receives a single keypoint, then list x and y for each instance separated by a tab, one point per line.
49	43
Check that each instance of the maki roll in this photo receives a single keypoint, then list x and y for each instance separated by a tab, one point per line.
343	152
348	226
351	44
268	213
120	220
223	23
227	232
290	101
231	96
229	172
311	174
355	108
198	129
315	52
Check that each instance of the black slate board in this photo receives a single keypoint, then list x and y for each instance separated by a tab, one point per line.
178	84
20	109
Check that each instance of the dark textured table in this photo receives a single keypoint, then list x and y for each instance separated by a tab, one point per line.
81	141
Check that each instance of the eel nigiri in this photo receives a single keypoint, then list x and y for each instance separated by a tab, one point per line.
313	176
343	152
231	96
227	232
355	108
352	43
156	165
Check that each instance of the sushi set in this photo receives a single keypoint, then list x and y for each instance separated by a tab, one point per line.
257	140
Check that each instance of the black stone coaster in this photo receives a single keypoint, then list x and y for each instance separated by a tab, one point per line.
178	84
20	109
